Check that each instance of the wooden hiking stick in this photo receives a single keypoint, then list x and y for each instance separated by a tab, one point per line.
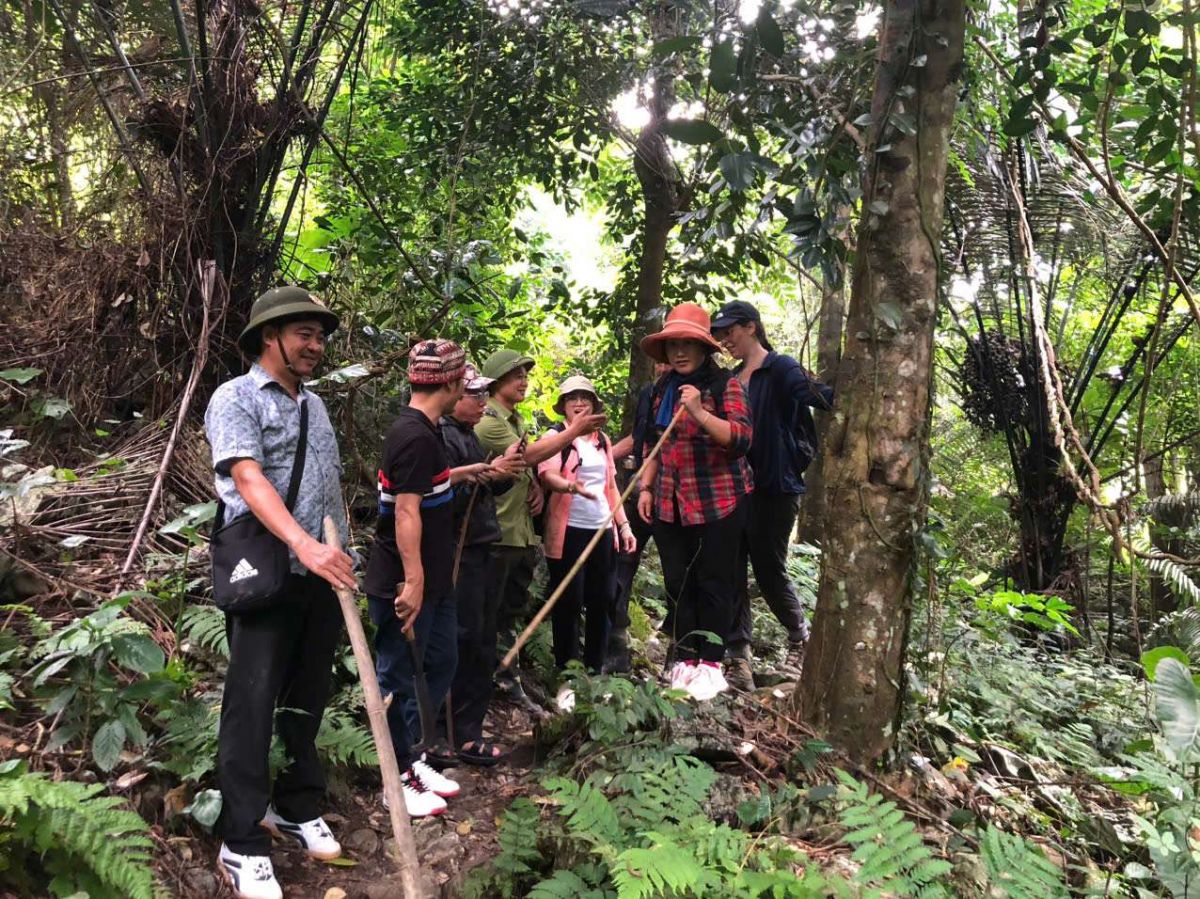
462	534
587	550
410	872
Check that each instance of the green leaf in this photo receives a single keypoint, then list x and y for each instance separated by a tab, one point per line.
1019	126
108	743
19	375
205	808
51	407
738	169
138	652
1151	658
722	67
1177	707
663	49
692	131
769	33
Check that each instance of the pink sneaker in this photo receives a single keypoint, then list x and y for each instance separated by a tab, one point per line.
707	682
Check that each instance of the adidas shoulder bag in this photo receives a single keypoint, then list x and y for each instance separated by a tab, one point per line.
249	563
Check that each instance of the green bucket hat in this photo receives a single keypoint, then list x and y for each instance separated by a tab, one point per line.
501	362
283	303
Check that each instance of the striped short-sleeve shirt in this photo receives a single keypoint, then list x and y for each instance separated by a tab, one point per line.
414	462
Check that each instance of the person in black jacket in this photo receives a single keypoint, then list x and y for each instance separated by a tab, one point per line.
475	507
781	394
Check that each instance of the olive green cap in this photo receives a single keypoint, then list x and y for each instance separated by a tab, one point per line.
283	303
501	362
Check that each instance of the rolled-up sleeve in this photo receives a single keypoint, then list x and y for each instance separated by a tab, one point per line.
493	434
737	413
233	429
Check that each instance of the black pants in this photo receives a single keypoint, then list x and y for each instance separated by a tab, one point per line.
591	592
281	657
770	520
512	574
476	602
699	573
627	564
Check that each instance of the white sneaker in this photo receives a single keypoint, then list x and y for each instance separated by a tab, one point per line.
433	780
420	802
314	836
707	682
681	675
251	876
565	700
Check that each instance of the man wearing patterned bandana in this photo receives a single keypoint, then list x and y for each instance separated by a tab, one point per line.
408	579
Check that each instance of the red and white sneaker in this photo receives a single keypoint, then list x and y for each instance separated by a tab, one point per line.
707	682
433	780
681	675
419	801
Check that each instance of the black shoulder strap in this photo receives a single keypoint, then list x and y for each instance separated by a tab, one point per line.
298	463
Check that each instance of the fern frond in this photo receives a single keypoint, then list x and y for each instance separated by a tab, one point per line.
70	818
665	869
589	814
518	838
1174	575
890	850
344	741
567	885
1019	870
1180	628
1177	506
204	626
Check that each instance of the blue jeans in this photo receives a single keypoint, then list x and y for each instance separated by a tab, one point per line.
437	635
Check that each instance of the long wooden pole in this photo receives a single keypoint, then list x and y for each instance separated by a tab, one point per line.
600	534
410	871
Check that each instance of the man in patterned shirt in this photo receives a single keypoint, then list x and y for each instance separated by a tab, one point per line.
281	656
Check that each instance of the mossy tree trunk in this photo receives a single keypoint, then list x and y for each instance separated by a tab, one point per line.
876	455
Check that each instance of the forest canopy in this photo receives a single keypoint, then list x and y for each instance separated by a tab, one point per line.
978	223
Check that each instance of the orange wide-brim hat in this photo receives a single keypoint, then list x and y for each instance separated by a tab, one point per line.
687	321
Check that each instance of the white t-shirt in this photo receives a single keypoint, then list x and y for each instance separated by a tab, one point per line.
591	475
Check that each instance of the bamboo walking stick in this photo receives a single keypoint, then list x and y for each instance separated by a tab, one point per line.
587	550
410	872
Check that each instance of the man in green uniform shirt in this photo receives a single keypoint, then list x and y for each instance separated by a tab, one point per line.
516	553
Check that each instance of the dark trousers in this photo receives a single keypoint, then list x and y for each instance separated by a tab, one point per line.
280	657
512	573
770	521
627	564
476	604
591	592
699	565
436	631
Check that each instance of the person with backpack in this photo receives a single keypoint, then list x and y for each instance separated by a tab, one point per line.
695	493
582	497
781	394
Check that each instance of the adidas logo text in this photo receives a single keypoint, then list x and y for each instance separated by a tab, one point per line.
241	571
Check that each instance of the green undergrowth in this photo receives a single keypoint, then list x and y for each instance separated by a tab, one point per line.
624	811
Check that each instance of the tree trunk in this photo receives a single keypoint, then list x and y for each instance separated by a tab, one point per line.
876	456
663	198
829	355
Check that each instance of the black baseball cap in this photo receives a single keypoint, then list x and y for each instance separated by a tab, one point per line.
736	313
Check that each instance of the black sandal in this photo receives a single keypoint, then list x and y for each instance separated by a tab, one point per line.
480	753
440	756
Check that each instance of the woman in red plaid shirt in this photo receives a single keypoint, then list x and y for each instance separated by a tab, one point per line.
693	494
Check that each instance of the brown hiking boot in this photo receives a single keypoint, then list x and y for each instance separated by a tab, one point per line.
738	672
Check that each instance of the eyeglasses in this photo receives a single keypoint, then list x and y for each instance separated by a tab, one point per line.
478	395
